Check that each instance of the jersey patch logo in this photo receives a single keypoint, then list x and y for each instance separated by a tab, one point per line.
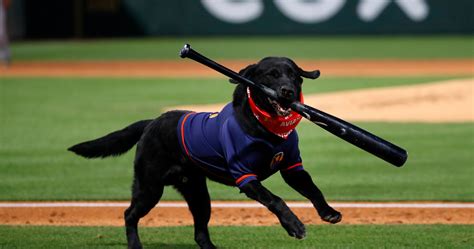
213	115
277	158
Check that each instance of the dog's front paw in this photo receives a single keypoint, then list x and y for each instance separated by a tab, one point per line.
293	226
331	215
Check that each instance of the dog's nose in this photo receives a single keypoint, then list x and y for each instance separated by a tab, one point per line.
287	93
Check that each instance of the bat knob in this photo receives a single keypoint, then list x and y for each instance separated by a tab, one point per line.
184	51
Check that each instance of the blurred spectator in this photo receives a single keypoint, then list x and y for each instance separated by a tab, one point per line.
5	55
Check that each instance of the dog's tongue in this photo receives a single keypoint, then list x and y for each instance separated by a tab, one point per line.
281	126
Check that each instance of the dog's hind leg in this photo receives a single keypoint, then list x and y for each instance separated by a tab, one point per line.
144	198
194	191
157	154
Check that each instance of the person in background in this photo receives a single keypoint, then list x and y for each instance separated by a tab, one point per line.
5	55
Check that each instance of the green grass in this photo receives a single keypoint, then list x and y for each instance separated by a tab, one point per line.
321	236
41	117
299	47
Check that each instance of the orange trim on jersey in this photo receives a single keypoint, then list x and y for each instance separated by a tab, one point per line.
293	166
182	133
243	178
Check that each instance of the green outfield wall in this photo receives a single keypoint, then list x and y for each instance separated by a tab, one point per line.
281	17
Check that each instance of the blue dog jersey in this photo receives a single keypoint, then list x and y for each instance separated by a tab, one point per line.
217	143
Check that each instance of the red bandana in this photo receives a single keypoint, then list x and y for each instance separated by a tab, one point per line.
281	126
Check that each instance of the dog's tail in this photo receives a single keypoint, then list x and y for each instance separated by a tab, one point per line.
113	144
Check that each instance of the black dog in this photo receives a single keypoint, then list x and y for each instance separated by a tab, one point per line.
250	139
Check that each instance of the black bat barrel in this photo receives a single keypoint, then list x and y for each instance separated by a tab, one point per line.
353	134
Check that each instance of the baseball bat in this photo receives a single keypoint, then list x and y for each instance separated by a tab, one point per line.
349	132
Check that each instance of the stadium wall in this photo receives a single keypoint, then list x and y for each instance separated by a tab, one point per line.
115	18
279	17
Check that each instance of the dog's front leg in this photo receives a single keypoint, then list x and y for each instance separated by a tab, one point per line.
255	190
302	182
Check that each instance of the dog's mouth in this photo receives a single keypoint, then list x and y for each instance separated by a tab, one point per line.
279	110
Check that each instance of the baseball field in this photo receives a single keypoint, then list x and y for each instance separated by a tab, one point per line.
416	92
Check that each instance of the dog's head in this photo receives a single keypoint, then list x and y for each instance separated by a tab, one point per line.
258	114
283	76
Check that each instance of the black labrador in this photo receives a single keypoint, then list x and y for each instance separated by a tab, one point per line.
161	160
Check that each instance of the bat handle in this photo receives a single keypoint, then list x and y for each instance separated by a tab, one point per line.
185	51
188	52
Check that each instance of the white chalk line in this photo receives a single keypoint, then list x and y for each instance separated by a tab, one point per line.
238	205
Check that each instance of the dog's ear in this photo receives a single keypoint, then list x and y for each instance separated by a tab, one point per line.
310	74
246	72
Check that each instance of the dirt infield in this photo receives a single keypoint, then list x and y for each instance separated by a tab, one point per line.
169	215
186	68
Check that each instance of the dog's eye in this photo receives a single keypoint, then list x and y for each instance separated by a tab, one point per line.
274	74
291	73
